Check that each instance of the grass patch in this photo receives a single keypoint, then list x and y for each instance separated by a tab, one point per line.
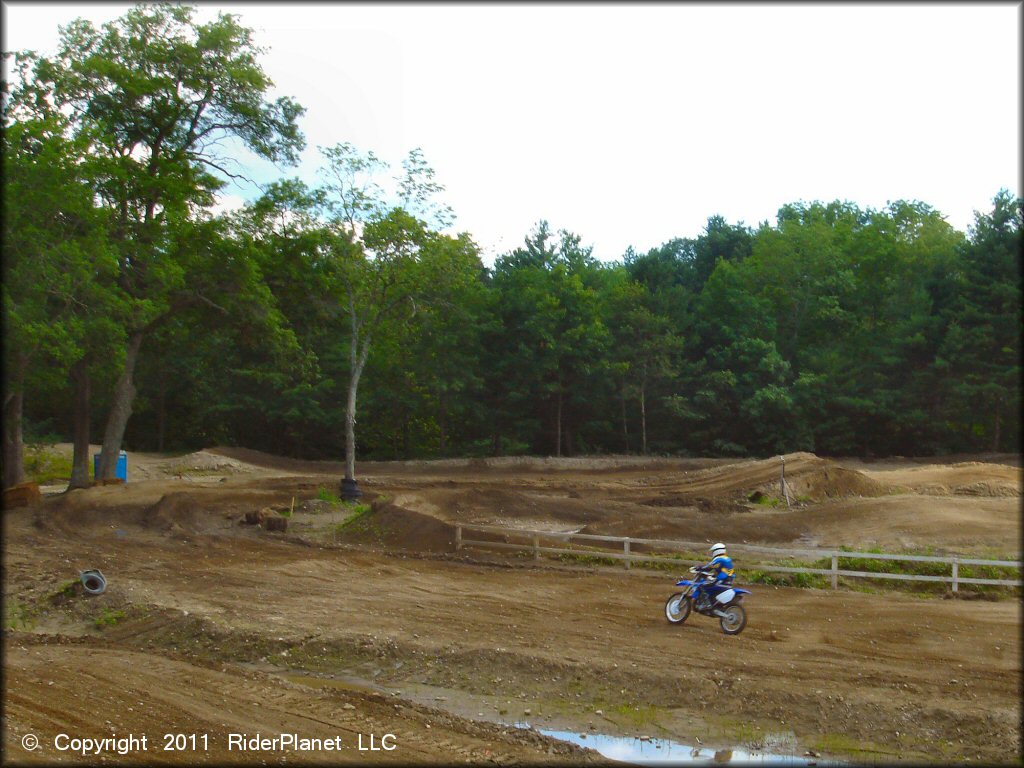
658	565
802	580
841	744
18	616
674	562
108	618
64	592
897	567
358	512
326	494
764	500
749	735
635	715
583	559
743	733
773	501
359	521
915	568
44	465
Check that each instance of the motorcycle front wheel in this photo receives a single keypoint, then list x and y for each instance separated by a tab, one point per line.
734	621
677	608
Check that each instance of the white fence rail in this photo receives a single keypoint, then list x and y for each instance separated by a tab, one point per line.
629	556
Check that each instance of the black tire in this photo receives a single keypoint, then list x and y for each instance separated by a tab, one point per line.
677	608
93	581
735	619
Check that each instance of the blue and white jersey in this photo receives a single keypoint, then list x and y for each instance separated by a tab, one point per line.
722	566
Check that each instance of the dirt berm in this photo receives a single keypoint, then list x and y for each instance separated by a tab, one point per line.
359	622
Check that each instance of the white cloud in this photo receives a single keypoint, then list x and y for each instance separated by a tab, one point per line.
632	124
226	203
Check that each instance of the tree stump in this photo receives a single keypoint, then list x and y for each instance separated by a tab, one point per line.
276	524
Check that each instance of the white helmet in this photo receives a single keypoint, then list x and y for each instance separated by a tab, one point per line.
717	549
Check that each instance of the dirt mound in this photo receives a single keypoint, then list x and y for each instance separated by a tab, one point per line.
831	481
199	464
500	505
192	625
395	526
269	461
158	466
990	489
702	503
524	465
177	513
964	478
722	487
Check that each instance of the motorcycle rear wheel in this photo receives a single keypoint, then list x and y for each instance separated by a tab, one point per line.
677	608
735	619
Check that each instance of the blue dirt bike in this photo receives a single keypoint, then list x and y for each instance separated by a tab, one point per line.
710	599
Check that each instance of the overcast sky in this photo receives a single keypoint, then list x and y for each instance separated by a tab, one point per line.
632	124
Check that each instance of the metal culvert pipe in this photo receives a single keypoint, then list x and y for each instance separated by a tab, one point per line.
93	581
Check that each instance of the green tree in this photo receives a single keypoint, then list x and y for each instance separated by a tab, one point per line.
56	260
241	367
646	350
426	366
553	339
379	253
981	352
156	95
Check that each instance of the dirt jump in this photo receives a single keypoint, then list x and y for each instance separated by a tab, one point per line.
361	635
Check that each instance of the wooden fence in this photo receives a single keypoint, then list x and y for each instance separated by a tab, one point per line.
628	556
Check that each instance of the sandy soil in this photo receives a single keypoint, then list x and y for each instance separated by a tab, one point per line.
211	627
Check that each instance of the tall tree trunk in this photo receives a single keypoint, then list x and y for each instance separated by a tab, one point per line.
558	426
643	418
357	359
120	409
442	423
80	458
161	415
350	427
14	444
996	435
625	423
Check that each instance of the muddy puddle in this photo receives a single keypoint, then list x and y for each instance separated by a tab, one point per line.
650	751
780	750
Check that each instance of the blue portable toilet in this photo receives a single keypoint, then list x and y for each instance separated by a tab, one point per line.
121	470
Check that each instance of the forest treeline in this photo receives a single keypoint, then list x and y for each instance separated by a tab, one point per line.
320	317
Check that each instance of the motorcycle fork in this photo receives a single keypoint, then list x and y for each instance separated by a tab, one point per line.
701	599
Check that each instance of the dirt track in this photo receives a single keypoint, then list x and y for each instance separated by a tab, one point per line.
213	627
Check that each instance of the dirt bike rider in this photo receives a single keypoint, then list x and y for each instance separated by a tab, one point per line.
721	572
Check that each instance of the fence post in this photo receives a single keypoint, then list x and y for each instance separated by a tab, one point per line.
782	482
956	573
625	551
536	547
835	571
458	537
